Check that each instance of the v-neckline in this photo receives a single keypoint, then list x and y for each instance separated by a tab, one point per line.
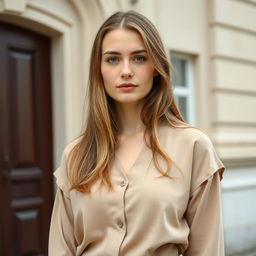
144	157
135	161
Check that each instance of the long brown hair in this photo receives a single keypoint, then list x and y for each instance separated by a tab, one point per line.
91	158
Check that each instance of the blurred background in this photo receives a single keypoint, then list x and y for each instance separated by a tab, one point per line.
44	54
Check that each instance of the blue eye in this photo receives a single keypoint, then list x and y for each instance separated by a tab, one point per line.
139	58
113	59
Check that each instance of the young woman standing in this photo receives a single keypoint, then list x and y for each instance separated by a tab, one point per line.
139	181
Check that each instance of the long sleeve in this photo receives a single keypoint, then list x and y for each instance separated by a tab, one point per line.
204	217
61	238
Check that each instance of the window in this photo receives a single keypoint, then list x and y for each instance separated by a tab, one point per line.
183	85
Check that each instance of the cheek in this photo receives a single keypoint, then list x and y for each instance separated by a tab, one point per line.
147	76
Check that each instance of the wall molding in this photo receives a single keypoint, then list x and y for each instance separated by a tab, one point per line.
233	59
232	27
14	6
240	92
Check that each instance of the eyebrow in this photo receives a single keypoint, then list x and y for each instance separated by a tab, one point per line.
118	53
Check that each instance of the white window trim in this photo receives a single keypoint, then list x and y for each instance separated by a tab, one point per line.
187	91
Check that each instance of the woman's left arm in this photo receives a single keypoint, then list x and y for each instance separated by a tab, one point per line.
204	217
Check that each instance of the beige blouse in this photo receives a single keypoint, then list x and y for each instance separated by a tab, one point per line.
146	215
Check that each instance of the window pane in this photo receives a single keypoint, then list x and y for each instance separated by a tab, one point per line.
179	75
182	101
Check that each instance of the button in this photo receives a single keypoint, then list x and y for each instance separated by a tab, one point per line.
122	183
120	224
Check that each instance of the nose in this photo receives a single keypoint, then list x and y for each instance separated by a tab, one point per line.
126	71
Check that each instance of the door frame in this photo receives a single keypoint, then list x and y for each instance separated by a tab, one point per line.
38	175
67	68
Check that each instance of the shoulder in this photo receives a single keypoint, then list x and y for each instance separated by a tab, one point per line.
194	145
189	135
193	139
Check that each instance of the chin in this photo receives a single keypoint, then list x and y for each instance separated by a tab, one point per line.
128	100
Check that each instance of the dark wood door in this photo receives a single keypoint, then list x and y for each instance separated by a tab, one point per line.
26	183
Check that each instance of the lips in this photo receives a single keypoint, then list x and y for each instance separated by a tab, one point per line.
127	85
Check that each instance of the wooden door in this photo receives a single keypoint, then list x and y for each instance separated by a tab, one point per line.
26	183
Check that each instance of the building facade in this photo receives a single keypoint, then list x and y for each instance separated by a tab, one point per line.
212	45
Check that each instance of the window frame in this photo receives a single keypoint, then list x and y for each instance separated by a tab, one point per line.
187	90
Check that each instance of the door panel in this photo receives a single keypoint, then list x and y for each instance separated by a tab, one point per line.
26	184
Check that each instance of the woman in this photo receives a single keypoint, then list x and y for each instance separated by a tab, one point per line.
139	181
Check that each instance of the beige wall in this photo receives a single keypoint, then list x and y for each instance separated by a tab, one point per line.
233	62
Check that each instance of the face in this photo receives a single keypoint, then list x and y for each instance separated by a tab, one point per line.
126	67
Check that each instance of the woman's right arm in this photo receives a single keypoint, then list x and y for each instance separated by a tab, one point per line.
61	237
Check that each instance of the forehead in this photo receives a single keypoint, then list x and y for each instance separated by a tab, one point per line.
122	40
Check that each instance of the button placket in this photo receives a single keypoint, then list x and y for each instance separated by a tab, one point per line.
122	183
123	186
120	221
120	224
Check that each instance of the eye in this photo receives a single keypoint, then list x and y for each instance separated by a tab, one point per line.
113	60
139	59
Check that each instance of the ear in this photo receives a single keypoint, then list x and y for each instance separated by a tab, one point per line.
155	73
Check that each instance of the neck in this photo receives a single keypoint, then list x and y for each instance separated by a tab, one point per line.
129	118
